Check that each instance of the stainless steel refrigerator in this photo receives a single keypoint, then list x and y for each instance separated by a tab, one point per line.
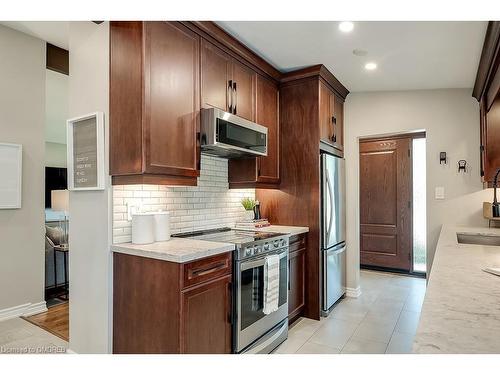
333	237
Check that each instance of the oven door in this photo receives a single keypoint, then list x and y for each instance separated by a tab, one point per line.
251	322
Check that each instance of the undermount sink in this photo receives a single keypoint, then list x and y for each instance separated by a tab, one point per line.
478	239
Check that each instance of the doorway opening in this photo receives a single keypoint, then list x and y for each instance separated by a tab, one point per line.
392	187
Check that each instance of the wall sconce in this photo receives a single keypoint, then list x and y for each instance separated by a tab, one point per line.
462	164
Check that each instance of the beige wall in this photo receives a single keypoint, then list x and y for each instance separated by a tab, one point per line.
90	211
451	121
22	102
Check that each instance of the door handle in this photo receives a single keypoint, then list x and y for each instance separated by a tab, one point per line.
235	97
230	95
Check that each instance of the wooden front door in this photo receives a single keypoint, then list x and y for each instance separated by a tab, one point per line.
385	203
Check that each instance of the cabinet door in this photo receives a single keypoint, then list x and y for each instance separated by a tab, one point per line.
171	106
326	109
215	76
338	123
492	139
296	293
267	115
243	95
206	318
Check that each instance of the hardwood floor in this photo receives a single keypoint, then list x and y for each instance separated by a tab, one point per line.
55	320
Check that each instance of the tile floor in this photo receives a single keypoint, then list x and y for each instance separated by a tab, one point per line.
383	319
18	336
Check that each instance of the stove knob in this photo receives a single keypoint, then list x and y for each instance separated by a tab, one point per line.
276	243
282	242
248	251
266	247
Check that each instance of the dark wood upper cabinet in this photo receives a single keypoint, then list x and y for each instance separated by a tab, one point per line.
331	117
226	83
171	92
215	76
267	109
487	92
263	171
243	94
154	103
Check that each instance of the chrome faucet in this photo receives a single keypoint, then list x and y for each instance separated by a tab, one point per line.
496	205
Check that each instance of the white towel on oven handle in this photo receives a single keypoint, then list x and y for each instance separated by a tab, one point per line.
271	283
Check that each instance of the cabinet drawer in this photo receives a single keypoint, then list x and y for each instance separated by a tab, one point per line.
297	242
206	269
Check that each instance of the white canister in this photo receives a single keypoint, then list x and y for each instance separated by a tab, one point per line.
143	228
162	225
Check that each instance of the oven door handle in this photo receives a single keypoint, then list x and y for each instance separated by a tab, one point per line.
245	265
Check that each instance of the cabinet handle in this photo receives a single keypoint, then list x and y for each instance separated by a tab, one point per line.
481	149
288	273
230	95
235	97
334	122
206	271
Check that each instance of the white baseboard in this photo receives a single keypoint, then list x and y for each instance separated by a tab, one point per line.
69	351
26	309
353	292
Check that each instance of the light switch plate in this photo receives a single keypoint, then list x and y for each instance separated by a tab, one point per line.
439	192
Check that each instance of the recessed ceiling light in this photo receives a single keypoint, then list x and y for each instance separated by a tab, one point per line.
359	52
346	26
370	66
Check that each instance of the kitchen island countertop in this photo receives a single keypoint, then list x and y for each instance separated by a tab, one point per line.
461	310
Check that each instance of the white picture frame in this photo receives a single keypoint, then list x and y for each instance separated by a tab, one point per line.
97	176
11	176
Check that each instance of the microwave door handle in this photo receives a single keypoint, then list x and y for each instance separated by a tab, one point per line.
230	95
235	97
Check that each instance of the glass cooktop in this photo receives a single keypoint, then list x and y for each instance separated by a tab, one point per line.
228	235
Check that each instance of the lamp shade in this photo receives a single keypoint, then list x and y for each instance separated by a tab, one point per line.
60	200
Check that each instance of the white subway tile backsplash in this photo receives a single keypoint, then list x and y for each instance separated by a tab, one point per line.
209	205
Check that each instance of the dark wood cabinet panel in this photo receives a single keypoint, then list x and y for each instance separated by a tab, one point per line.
243	95
262	171
492	138
487	92
297	265
154	103
338	123
326	109
267	115
171	99
331	117
206	318
156	311
215	76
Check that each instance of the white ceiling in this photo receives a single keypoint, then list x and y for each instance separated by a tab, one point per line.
410	55
54	32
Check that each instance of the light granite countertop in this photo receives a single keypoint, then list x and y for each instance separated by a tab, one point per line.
182	250
178	250
461	310
285	229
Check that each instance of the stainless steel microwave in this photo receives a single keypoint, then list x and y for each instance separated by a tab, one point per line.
230	136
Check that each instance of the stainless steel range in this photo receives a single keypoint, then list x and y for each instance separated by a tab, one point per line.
254	331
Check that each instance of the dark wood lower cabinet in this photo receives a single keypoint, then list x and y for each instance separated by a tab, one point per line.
297	268
166	307
206	317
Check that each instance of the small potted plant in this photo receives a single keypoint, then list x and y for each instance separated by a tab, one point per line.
248	204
